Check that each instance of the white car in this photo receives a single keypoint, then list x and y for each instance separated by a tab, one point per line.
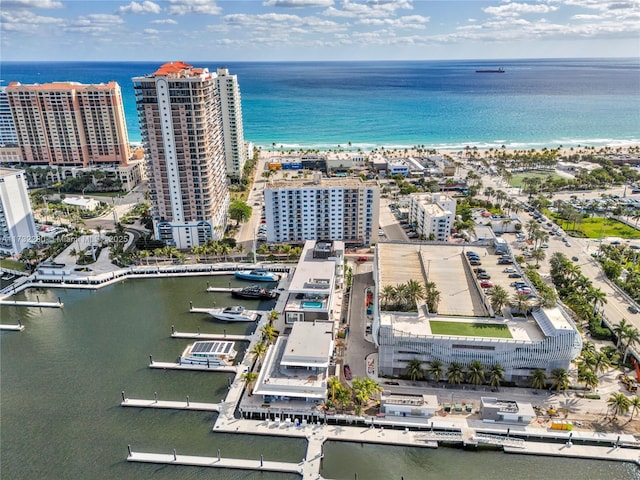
509	270
544	245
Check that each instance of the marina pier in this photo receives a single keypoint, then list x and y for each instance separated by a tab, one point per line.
211	336
190	366
12	328
169	405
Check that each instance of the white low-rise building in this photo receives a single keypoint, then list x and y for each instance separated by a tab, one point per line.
432	215
407	405
296	366
85	204
507	411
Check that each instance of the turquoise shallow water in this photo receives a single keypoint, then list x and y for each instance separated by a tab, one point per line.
441	104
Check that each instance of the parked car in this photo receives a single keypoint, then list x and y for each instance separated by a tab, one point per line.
509	270
470	252
363	259
632	309
475	262
479	270
486	284
484	276
575	259
505	261
515	275
347	372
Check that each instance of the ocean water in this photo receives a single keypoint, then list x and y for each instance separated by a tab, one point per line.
439	104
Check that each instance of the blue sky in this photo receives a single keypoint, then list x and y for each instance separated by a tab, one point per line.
317	29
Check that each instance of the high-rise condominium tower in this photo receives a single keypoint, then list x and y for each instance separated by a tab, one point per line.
7	128
181	126
70	124
17	226
235	150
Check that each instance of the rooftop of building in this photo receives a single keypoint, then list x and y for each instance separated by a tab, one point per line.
508	406
177	68
61	86
309	345
4	171
408	399
313	274
320	182
460	299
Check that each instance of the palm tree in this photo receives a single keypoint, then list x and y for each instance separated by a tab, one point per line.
455	375
333	385
538	255
632	337
415	292
259	350
538	379
435	370
597	297
619	404
559	379
499	299
269	333
496	375
249	378
619	330
635	406
587	376
414	370
475	373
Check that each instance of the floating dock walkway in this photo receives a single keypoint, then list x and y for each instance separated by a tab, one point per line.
572	450
219	289
25	303
170	405
12	328
215	462
211	336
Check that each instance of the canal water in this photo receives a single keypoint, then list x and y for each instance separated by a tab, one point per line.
62	377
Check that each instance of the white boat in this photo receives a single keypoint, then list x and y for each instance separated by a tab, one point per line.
214	354
237	313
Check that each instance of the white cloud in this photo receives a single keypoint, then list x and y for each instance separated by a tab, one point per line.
45	4
297	3
95	24
184	7
150	31
24	21
165	21
144	7
283	21
376	9
515	9
409	21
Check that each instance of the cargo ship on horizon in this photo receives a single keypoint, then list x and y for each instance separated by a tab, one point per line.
491	70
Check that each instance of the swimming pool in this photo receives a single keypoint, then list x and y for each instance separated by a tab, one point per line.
311	304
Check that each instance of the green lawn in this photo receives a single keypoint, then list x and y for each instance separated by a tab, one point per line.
596	227
470	329
516	180
13	265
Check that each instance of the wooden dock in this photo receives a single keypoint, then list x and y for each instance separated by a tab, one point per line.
189	366
215	462
211	336
25	303
170	405
12	328
199	310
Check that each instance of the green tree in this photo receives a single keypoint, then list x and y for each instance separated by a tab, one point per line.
435	370
499	299
239	211
269	333
496	375
259	350
475	373
619	404
455	374
635	406
559	379
249	378
414	370
538	379
364	389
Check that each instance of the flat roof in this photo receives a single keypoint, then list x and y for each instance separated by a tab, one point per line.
313	274
310	344
324	182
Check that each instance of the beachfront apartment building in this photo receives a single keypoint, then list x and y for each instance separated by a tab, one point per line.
17	224
235	148
315	282
432	214
544	338
69	124
343	208
8	135
181	125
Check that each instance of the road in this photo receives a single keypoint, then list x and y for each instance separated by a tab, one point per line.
357	347
389	223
